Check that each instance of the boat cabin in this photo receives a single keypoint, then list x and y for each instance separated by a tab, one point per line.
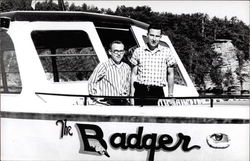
56	52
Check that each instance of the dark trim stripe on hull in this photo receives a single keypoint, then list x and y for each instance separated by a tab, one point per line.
112	118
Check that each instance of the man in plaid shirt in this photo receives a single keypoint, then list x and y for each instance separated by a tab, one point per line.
153	69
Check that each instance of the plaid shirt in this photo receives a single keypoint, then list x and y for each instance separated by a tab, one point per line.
110	79
152	65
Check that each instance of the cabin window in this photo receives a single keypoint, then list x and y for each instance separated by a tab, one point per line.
65	55
178	77
108	34
10	80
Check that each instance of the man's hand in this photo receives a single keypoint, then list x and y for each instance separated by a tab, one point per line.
132	101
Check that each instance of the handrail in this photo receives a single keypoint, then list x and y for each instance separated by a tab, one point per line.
211	97
68	55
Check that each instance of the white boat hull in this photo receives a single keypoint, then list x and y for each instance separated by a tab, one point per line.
36	136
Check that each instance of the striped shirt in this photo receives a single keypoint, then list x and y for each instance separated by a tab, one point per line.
110	79
152	65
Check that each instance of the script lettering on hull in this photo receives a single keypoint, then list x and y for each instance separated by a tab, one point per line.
92	141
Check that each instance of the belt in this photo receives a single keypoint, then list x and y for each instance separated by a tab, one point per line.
148	87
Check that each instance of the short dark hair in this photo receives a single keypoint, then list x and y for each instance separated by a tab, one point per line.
115	42
154	26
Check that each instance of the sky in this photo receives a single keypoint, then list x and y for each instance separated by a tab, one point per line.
220	9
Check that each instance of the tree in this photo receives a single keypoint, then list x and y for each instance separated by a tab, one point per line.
47	6
73	7
228	78
141	13
13	5
241	76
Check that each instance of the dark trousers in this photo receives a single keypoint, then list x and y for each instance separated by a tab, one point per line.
144	91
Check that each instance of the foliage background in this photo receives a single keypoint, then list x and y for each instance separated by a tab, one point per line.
191	34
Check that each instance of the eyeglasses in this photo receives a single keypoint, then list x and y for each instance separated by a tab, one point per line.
119	51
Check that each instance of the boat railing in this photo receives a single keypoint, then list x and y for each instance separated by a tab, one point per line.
163	101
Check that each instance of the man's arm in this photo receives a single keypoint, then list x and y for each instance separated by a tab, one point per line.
170	80
95	77
126	90
133	78
134	62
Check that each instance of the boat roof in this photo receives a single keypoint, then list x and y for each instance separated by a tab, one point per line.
102	20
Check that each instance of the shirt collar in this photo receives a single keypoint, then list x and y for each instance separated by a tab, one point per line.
111	62
159	47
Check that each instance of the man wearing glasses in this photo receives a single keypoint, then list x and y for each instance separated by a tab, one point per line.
111	78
